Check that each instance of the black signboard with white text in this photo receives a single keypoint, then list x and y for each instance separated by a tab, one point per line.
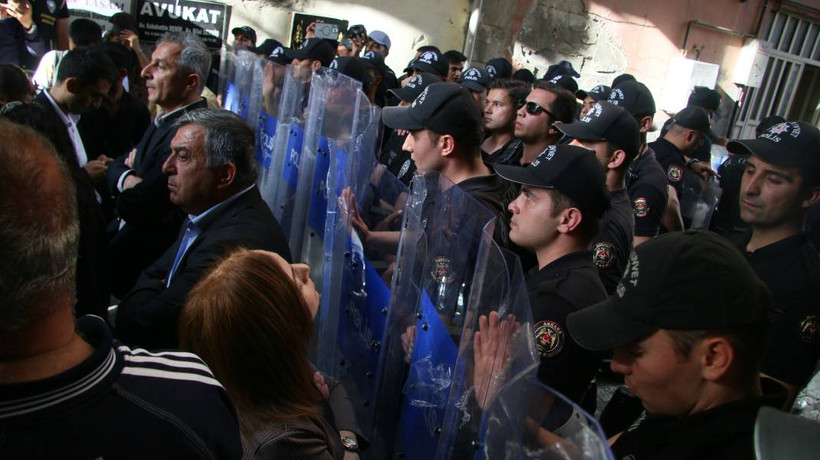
208	20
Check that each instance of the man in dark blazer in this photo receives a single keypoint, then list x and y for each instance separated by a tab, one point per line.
211	176
147	221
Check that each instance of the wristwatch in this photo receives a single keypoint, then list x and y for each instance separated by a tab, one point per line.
350	444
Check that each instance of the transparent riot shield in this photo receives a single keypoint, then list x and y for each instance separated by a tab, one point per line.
241	84
283	175
529	420
255	98
333	111
445	239
227	80
497	344
225	56
698	201
273	79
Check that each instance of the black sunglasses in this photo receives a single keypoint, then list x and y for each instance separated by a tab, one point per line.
534	109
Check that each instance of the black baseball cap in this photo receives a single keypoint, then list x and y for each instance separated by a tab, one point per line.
767	123
415	86
499	68
561	68
474	79
693	117
352	66
524	75
565	81
315	49
431	61
374	60
572	170
633	96
246	31
622	78
266	48
279	56
793	143
606	122
123	21
704	97
597	93
661	289
425	112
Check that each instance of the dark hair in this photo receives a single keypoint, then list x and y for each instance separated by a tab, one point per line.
464	119
517	90
588	228
121	56
565	104
39	231
87	66
14	84
84	32
454	57
228	139
250	324
746	343
194	56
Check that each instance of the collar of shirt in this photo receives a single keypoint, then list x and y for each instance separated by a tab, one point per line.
556	268
70	121
161	117
70	118
201	221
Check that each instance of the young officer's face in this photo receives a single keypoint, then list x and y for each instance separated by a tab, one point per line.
499	112
424	152
533	225
770	195
666	382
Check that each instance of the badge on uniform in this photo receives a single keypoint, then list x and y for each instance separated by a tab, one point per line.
442	270
674	173
603	254
810	329
549	338
404	168
640	207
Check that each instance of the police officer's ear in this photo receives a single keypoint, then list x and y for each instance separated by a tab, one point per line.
553	131
616	159
570	220
717	358
810	197
447	144
645	124
315	65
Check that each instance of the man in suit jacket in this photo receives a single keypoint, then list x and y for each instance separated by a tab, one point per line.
148	221
211	175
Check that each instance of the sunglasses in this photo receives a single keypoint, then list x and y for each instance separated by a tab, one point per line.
534	109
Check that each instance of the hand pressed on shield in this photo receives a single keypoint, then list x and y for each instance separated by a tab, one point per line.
408	340
490	353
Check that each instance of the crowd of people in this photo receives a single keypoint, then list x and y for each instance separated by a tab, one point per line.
120	183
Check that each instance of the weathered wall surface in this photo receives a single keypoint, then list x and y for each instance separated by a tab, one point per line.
409	24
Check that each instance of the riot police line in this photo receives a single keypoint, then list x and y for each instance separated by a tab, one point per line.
423	317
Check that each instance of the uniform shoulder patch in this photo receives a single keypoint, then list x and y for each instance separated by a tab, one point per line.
810	329
603	254
549	338
674	173
640	207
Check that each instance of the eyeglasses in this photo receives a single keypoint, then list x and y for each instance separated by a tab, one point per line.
534	109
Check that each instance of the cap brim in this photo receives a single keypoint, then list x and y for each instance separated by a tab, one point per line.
599	327
761	148
577	130
405	94
400	118
472	86
519	175
424	67
296	54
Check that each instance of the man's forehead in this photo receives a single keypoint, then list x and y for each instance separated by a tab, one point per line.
759	163
189	134
498	94
167	51
541	96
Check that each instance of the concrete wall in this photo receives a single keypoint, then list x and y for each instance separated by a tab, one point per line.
409	24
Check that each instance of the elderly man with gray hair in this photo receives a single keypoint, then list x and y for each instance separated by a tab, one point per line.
211	175
147	221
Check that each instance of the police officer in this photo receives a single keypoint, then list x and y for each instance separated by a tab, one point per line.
612	133
563	196
645	180
780	183
500	113
674	150
476	81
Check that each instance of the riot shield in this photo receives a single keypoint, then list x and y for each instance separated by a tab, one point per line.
445	239
333	112
497	344
227	80
273	78
283	175
698	201
243	77
255	98
530	420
